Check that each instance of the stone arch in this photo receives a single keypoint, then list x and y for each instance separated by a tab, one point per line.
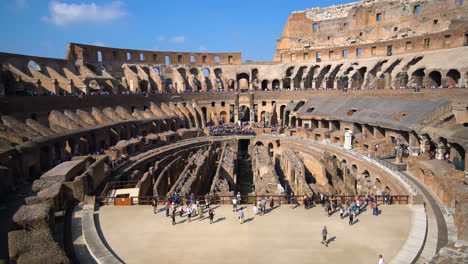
453	77
458	156
223	117
282	111
265	85
231	84
275	85
435	78
243	81
417	76
168	86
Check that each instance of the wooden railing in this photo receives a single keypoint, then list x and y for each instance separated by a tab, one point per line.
227	200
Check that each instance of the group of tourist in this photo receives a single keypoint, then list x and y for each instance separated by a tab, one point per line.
191	208
222	130
174	206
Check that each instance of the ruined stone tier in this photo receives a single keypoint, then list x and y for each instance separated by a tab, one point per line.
106	55
372	28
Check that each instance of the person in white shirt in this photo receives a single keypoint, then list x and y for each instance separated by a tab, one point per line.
381	259
234	204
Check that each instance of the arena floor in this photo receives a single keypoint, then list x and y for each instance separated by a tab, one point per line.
283	235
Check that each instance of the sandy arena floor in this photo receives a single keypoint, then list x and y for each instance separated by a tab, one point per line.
283	235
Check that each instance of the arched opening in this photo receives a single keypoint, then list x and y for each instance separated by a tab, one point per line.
156	69
286	118
436	78
34	65
203	109
168	85
298	105
263	117
259	143
223	117
453	77
293	121
354	169
282	111
144	85
265	85
244	114
275	84
270	149
418	76
457	155
255	79
206	72
243	81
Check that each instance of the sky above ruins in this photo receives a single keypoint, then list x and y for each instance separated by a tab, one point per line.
43	28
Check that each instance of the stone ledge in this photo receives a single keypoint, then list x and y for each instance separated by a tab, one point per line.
410	251
95	245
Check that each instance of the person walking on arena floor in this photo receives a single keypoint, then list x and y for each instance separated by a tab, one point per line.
324	236
211	214
381	259
173	216
241	215
234	204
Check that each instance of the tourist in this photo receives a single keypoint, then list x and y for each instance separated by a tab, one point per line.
341	212
353	209
194	209
387	199
375	209
264	202
207	201
200	212
167	206
175	198
173	216
241	215
324	236
381	259
255	210
234	204
329	209
154	202
325	209
238	196
291	200
351	218
305	201
181	210
211	214
322	198
358	206
272	203
189	214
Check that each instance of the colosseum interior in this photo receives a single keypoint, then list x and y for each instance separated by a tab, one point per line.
363	98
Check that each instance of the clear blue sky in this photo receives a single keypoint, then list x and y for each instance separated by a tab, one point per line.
43	27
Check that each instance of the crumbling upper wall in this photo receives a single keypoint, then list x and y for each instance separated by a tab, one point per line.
352	26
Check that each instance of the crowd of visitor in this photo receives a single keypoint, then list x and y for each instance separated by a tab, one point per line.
222	130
